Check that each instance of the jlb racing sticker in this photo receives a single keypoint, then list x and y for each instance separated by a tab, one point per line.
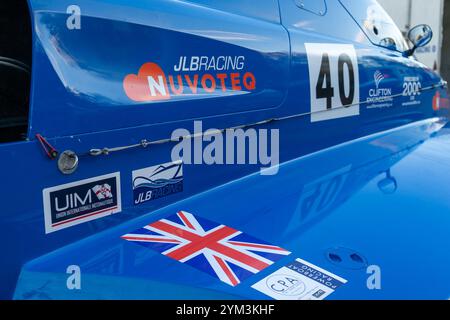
334	81
78	202
194	75
380	96
412	88
220	251
157	182
299	280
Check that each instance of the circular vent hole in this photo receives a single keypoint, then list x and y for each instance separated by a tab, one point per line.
355	257
334	257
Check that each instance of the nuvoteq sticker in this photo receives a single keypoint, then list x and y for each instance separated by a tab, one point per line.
194	75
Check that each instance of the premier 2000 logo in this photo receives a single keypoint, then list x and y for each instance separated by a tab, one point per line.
190	76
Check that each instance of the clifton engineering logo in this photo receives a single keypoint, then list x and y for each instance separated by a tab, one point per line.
378	77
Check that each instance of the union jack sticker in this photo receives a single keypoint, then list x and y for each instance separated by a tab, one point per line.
221	251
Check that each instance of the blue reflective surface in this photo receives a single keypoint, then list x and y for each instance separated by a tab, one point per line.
334	198
325	201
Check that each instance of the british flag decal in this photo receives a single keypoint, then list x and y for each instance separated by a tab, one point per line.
216	249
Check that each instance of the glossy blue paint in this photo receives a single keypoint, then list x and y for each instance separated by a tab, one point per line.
85	69
325	200
79	103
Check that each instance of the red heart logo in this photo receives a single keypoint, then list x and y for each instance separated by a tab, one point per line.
148	85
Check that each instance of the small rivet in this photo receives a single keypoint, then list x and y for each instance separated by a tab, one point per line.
144	143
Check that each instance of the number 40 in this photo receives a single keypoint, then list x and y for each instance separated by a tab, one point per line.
324	88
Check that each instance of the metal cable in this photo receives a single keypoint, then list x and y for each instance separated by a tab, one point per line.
146	143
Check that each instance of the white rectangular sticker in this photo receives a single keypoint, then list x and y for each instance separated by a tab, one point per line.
299	280
78	202
334	81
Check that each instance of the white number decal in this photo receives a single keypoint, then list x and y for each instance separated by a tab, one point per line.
411	88
334	81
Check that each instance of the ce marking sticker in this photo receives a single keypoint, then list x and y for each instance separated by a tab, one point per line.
334	81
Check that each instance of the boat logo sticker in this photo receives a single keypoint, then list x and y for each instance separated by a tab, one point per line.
299	280
82	201
157	182
220	251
